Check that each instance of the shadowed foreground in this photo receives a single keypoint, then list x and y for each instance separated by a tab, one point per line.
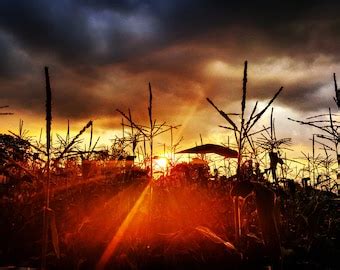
171	224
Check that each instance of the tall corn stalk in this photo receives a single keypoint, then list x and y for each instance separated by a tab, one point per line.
149	133
47	184
242	135
337	92
151	130
329	128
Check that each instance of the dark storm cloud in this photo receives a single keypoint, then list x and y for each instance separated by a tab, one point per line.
13	61
45	26
305	98
300	26
73	30
167	42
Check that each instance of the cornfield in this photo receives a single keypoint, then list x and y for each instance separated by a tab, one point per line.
64	206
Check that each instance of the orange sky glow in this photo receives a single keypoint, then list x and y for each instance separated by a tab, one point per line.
104	60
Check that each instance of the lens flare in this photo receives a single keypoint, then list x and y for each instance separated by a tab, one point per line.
117	238
161	163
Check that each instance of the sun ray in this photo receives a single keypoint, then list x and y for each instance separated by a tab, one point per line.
189	115
111	247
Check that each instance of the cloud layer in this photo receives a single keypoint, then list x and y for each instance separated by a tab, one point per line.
102	54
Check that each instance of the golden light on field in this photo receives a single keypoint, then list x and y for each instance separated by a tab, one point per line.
119	235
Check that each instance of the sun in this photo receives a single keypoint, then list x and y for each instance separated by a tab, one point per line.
161	163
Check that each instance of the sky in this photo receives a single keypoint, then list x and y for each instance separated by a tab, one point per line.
102	55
